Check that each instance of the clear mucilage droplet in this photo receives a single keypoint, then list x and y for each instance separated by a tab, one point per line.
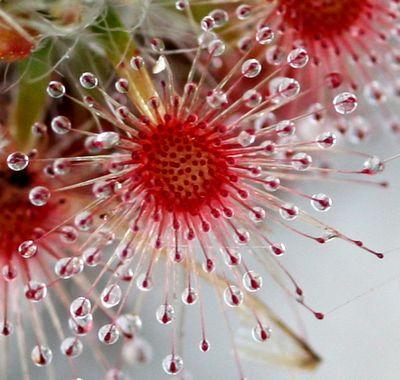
252	281
289	211
108	334
56	89
251	68
345	103
172	364
35	291
265	35
39	195
298	58
88	81
321	202
41	355
17	161
68	267
61	125
71	347
261	333
165	314
233	296
111	295
27	249
80	308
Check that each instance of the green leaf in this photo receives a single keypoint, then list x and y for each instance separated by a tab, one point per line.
30	101
119	46
112	35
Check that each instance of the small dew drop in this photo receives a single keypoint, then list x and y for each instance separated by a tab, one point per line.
251	68
233	296
326	140
277	249
204	345
61	166
265	35
56	89
39	129
122	85
137	62
220	17
83	221
88	81
345	103
298	58
245	138
144	282
17	161
252	98
35	291
27	249
301	161
275	55
71	347
111	295
189	296
207	23
321	202
92	256
41	355
285	128
81	326
261	333
80	308
108	334
6	328
252	281
289	211
9	272
181	5
165	314
107	140
243	12
39	195
68	267
60	125
216	48
172	364
373	165
288	87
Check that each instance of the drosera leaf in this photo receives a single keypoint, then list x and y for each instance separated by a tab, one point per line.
119	46
29	103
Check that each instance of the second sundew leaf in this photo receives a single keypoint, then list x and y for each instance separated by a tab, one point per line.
29	103
120	47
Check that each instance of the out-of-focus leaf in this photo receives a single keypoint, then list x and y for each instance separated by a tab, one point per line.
116	41
120	47
286	348
28	106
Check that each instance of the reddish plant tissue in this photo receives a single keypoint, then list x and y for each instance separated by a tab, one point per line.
193	172
38	251
353	45
13	45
